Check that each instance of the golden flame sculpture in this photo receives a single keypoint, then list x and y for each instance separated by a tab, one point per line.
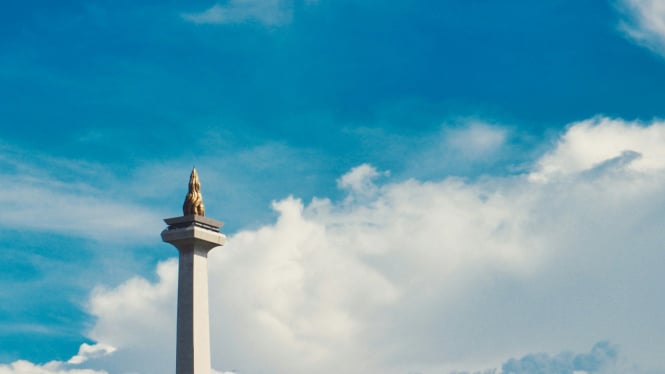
194	200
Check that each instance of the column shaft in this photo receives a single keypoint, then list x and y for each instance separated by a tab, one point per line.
194	236
193	343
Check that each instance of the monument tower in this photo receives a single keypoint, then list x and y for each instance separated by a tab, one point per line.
194	235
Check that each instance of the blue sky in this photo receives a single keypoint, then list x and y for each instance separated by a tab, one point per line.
532	124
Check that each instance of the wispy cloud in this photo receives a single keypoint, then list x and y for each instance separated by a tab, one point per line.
64	196
644	23
463	146
268	12
476	140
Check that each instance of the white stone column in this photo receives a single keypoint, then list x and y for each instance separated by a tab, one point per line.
194	236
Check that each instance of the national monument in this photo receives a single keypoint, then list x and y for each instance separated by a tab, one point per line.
194	235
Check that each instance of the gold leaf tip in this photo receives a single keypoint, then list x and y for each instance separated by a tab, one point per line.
194	200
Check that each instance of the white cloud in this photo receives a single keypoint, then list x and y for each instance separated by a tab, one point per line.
53	367
605	142
430	276
359	178
134	298
359	181
268	12
87	351
645	23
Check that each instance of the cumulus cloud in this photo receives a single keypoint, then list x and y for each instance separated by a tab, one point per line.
268	12
604	142
88	351
644	23
359	182
359	178
136	318
432	276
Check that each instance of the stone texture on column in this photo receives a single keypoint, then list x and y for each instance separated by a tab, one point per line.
194	236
